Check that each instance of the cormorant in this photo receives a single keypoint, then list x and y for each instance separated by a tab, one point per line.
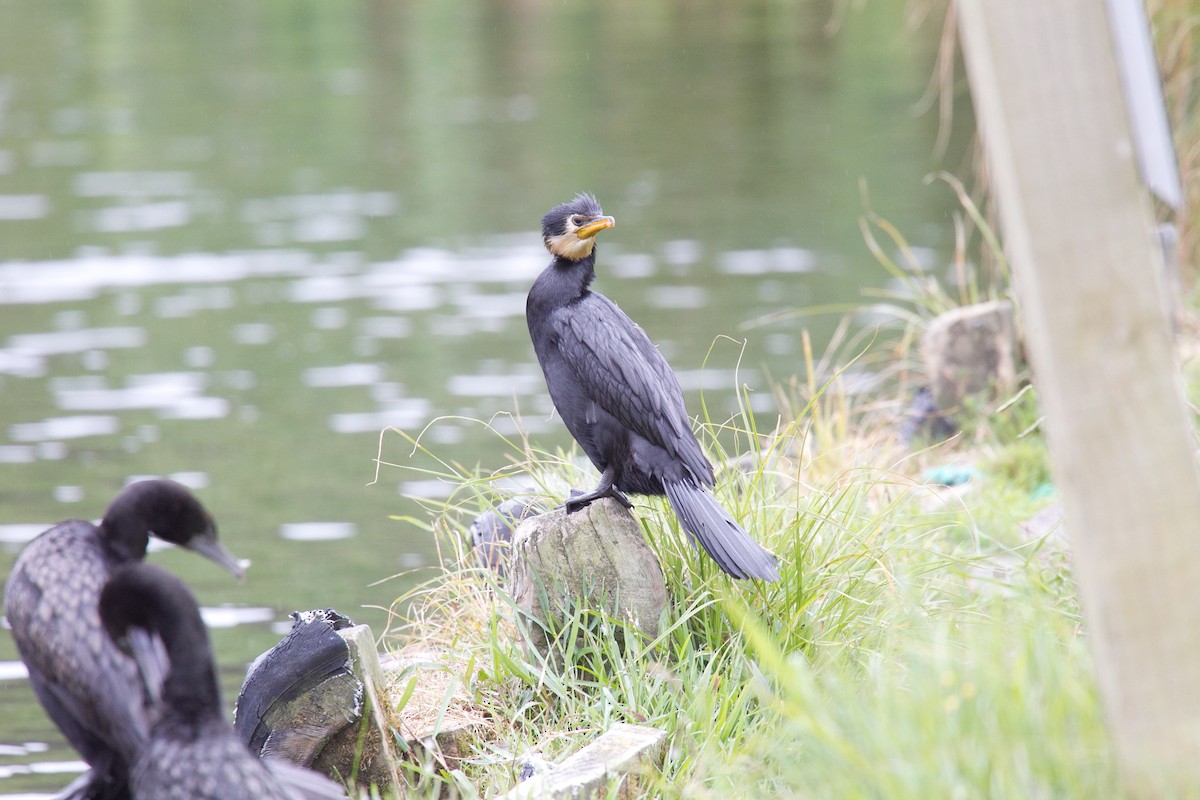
618	397
191	752
50	598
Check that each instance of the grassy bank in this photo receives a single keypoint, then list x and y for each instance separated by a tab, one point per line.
923	641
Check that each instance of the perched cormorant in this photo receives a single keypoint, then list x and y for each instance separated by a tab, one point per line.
191	752
618	397
50	598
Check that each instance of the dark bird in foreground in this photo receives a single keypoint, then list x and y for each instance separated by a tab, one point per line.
191	752
618	397
88	687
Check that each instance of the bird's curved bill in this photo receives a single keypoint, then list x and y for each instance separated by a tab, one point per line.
210	548
594	226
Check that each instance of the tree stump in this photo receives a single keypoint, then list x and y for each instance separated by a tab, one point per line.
317	699
595	558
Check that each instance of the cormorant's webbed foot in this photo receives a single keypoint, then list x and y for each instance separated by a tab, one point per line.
578	500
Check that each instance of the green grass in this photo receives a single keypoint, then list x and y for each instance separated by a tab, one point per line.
917	645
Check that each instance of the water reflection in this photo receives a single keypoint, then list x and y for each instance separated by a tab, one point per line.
497	383
11	671
54	768
25	354
428	489
232	616
763	262
86	276
18	207
58	428
22	749
315	218
173	395
405	414
16	454
68	494
344	375
317	531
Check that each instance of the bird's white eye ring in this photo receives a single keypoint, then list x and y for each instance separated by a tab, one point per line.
576	220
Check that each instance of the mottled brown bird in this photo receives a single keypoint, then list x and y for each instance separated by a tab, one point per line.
89	688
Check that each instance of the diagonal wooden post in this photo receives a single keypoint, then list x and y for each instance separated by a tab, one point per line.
1079	234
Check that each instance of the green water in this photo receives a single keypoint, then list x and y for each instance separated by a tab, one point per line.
237	241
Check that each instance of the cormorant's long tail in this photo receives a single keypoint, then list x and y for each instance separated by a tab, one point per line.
710	524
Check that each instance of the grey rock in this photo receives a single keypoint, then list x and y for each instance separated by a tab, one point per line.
596	558
613	765
971	352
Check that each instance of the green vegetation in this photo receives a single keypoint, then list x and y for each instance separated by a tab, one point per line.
923	641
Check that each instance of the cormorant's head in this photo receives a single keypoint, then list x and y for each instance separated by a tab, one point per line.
569	230
169	511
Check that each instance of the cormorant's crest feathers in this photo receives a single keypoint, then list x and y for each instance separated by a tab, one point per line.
555	221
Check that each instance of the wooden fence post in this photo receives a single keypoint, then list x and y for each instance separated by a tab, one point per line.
1080	237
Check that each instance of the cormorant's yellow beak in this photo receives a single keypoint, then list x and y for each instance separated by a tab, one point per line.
594	226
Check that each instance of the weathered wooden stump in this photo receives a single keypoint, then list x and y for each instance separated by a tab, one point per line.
362	750
596	558
971	352
317	699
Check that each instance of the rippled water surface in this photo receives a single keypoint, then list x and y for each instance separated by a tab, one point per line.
238	242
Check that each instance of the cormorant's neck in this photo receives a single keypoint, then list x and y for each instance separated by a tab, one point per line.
190	692
581	272
563	282
124	537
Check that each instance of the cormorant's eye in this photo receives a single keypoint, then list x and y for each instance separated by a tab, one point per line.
576	220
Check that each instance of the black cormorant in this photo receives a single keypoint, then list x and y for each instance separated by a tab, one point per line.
618	397
191	752
50	599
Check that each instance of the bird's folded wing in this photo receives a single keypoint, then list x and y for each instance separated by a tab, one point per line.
624	373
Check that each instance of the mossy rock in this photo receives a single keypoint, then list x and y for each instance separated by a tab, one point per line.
595	558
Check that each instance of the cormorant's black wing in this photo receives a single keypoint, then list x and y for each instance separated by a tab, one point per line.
623	372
